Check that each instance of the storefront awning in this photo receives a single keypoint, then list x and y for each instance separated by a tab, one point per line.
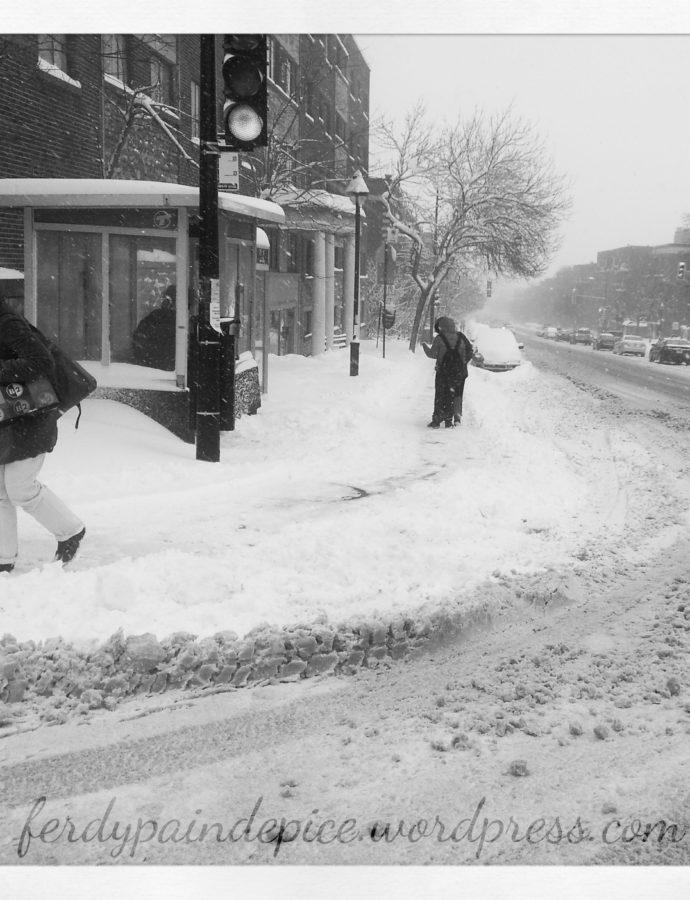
93	193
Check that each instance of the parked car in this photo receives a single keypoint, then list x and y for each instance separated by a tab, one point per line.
603	341
547	331
581	336
495	349
670	350
629	345
562	334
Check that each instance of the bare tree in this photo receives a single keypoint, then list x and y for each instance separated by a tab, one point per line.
480	196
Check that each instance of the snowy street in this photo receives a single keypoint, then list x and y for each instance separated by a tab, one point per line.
336	501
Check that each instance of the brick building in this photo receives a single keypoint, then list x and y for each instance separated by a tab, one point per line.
120	114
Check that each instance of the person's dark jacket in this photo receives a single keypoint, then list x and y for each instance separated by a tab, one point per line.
445	328
23	358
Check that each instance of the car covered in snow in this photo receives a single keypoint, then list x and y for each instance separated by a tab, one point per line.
603	341
630	345
495	349
670	350
562	334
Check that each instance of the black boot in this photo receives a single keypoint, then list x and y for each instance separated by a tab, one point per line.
6	567
67	550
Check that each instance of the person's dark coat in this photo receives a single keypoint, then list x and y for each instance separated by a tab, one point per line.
154	338
23	358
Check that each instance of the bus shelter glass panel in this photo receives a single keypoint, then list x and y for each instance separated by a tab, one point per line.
142	300
69	290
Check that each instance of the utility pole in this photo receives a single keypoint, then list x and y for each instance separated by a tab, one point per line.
207	387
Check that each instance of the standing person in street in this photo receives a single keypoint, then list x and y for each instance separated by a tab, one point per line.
24	442
452	351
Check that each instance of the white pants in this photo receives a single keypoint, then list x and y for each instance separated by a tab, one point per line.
19	486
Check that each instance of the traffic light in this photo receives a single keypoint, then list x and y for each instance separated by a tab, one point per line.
245	110
681	270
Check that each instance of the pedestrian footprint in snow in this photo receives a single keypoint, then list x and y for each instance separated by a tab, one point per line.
24	442
452	351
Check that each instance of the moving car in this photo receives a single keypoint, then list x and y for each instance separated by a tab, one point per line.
562	334
581	336
603	341
629	345
670	350
495	349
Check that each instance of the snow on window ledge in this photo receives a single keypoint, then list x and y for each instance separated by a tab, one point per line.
142	99
56	72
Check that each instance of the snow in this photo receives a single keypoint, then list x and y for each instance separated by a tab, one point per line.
56	72
8	274
497	345
334	502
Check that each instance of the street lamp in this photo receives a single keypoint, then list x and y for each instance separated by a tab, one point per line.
357	188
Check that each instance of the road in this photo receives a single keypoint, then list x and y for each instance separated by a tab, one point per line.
638	381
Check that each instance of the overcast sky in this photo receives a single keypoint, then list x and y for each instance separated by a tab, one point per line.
612	111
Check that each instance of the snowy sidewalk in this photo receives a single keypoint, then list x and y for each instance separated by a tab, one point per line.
334	502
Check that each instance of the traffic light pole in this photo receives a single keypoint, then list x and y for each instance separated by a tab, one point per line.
207	385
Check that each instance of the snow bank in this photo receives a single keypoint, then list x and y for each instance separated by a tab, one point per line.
334	502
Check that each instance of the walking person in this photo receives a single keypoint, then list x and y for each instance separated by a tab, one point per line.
452	351
24	442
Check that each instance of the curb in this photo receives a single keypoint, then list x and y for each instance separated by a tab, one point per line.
63	680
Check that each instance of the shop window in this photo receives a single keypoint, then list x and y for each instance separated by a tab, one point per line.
114	51
142	272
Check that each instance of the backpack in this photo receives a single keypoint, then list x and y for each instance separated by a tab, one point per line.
453	365
71	381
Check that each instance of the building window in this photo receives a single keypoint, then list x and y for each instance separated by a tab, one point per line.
161	81
310	100
324	111
308	256
53	49
282	69
114	49
338	257
292	251
195	105
340	128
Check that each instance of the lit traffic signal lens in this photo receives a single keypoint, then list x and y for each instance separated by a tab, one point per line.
245	111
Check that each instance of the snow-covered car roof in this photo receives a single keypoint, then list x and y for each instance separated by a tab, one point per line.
497	346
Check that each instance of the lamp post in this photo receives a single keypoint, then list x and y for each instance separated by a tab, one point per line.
357	188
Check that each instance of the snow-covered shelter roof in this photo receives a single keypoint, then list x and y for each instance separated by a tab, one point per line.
312	197
10	274
111	192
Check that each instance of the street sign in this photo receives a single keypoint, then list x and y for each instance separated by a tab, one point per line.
229	172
